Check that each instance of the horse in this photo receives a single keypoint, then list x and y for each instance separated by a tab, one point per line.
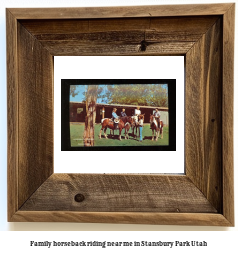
108	123
158	129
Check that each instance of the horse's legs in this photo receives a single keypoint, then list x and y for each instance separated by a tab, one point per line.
161	132
105	134
120	134
157	134
125	133
152	135
100	134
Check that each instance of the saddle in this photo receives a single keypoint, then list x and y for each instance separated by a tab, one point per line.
156	123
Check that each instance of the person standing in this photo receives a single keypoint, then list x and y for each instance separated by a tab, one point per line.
141	123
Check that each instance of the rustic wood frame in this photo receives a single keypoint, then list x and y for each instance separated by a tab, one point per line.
203	33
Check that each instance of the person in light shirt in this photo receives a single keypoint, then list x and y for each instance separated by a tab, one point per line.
115	116
137	111
157	116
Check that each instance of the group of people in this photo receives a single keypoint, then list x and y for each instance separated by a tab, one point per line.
140	118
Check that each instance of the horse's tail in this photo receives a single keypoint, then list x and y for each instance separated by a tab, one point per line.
102	120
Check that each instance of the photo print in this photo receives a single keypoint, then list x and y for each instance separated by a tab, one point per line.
119	114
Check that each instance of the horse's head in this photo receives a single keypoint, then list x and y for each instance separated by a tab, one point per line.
142	117
152	118
130	119
133	119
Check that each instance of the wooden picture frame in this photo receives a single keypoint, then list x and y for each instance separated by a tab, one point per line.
204	34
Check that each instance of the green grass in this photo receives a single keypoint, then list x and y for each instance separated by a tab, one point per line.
76	134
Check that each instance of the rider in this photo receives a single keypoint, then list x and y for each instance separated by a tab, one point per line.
115	116
157	116
137	113
123	113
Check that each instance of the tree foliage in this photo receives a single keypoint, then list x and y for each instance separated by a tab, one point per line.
73	90
154	95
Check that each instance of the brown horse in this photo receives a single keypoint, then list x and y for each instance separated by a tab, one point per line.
155	128
108	123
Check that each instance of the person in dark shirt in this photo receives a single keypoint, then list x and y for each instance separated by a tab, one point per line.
123	113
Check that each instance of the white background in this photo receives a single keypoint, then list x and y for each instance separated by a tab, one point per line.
118	67
219	242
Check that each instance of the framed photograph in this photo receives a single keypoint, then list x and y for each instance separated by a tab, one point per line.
203	194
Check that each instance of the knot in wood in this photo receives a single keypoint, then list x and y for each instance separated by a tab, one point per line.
143	45
79	198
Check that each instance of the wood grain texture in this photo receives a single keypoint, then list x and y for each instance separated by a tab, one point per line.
204	115
72	48
192	219
35	111
227	113
120	12
119	36
179	25
12	114
140	193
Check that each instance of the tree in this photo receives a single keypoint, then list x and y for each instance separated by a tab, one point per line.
155	95
73	90
91	101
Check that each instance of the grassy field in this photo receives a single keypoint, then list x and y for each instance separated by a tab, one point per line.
76	134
